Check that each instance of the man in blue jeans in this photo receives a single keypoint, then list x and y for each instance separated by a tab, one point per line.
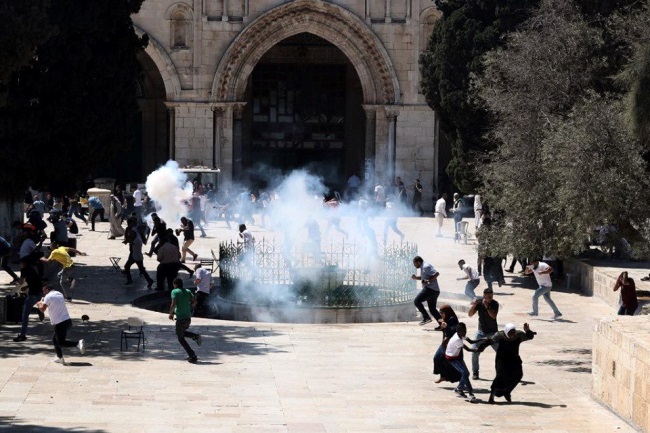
430	290
487	309
473	279
542	273
30	276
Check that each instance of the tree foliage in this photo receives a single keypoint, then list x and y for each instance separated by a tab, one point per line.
565	161
466	31
24	26
72	108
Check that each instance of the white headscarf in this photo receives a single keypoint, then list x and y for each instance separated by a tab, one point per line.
509	327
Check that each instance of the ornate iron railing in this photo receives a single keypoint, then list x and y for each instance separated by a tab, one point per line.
340	274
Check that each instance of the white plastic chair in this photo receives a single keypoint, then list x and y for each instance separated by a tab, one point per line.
462	228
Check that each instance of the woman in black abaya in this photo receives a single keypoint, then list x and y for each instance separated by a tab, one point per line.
508	363
441	366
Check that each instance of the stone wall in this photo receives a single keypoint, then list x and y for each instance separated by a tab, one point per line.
621	367
193	134
416	150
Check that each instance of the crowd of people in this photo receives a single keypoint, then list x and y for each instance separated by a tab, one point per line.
47	271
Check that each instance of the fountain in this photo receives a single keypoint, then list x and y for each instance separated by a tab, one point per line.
341	282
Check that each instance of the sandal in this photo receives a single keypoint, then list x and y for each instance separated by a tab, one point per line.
645	278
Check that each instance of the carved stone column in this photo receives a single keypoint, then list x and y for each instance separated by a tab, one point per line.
171	132
369	148
224	14
237	139
217	129
391	118
388	17
408	10
368	17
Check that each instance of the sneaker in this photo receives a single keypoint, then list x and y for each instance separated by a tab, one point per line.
557	316
472	399
59	360
532	314
68	298
438	328
20	337
460	392
475	376
195	256
128	283
425	321
198	339
150	285
82	346
193	360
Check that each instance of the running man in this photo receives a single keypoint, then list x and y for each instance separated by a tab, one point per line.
183	301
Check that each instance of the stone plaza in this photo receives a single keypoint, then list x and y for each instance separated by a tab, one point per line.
265	377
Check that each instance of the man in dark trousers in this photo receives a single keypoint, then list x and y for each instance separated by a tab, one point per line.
487	309
54	303
29	275
182	302
430	290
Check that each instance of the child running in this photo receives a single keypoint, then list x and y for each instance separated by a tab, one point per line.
454	355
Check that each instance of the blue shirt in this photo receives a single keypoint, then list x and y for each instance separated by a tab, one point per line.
426	272
95	202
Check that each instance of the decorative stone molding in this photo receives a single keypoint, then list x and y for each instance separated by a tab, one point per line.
332	23
164	64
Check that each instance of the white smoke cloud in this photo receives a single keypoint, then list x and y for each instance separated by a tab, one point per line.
169	188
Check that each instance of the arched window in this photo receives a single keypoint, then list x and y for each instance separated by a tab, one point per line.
180	20
427	21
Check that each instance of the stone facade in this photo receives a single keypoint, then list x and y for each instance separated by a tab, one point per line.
621	367
206	50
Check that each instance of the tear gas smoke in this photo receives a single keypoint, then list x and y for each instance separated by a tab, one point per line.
169	188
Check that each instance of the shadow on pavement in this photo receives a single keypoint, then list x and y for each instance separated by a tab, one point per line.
9	424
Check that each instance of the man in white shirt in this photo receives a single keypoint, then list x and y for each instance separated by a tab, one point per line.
478	210
471	275
203	281
54	303
542	273
137	203
441	213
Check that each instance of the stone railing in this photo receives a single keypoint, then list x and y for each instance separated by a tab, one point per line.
621	367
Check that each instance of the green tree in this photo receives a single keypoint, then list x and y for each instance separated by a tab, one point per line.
466	31
24	26
72	108
565	161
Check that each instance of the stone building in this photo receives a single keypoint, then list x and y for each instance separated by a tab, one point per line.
329	85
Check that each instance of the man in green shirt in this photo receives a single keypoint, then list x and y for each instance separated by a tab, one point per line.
182	303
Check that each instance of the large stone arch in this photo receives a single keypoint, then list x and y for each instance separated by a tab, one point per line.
332	23
164	63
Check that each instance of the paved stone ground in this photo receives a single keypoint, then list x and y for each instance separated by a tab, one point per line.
260	377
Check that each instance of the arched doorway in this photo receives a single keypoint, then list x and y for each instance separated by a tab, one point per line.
343	33
151	150
304	110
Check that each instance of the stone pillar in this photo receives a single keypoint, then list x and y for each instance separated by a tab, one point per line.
171	131
387	17
391	151
369	148
408	10
224	15
368	17
217	126
237	139
245	8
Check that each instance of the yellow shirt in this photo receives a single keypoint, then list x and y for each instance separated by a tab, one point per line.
61	255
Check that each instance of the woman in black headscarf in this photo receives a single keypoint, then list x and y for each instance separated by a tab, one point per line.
441	366
508	363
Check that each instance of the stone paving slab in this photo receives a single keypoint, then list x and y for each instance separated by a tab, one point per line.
260	377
